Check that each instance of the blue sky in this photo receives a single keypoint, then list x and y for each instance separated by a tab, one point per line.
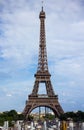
19	47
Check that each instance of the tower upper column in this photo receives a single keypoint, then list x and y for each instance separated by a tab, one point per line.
42	59
42	31
42	73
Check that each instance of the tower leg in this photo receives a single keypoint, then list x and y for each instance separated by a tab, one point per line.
45	111
39	112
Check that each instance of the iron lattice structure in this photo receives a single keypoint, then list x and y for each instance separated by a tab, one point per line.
43	76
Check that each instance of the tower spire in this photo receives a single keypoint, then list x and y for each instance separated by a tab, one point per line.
42	5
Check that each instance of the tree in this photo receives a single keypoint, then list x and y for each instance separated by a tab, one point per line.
10	116
76	116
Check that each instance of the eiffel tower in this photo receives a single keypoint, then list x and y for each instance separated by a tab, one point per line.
42	75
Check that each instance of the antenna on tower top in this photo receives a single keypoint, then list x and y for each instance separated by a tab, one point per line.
42	5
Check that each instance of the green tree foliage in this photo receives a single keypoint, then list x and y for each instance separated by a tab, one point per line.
49	116
75	116
10	116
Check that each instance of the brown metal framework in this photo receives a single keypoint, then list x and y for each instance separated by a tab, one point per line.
42	76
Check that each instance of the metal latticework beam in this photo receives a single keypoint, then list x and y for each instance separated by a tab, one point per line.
42	76
42	60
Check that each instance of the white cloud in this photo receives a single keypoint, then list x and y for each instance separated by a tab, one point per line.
8	95
19	41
